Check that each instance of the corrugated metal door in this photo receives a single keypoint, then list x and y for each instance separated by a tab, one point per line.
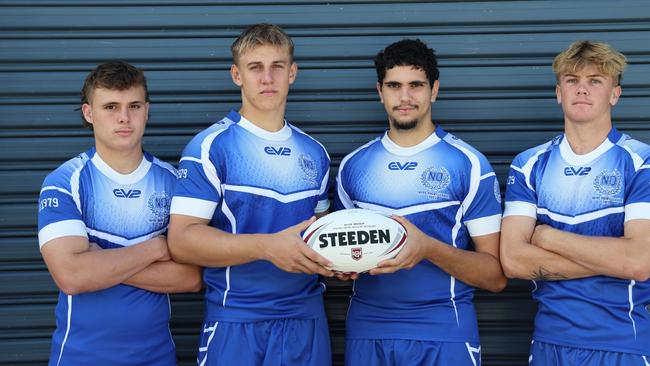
496	93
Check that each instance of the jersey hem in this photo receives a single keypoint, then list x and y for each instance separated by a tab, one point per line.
595	347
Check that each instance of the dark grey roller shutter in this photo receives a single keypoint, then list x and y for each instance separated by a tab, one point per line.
496	93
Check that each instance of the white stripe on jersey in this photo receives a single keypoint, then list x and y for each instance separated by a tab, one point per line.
484	225
121	240
284	198
490	174
640	210
208	168
638	161
574	220
60	229
205	349
528	167
406	210
471	350
67	329
192	207
520	208
190	158
225	293
631	300
55	188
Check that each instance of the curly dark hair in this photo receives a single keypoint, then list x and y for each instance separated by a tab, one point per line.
407	52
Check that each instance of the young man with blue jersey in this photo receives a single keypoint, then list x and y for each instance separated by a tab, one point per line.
102	221
416	309
248	185
576	223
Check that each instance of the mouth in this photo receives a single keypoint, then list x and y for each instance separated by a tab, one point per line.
581	102
124	133
405	108
268	93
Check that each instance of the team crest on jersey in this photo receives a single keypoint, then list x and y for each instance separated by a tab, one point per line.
435	179
608	185
356	253
159	204
497	191
308	167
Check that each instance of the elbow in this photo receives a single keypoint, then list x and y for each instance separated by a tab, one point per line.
511	269
69	285
638	271
195	285
499	284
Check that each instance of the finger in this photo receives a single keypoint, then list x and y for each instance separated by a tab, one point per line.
402	220
315	257
383	270
302	226
394	262
315	268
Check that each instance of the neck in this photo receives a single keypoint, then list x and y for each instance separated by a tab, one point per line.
272	121
123	162
414	136
586	137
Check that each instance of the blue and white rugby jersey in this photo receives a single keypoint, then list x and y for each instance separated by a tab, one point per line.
592	194
247	180
120	324
448	190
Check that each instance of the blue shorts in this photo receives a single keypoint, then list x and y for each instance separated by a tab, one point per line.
403	352
290	342
546	354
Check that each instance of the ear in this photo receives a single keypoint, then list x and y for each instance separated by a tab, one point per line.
87	111
235	75
293	72
558	94
616	94
434	90
146	111
381	96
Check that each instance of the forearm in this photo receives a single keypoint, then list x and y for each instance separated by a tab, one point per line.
526	261
167	277
610	256
205	246
86	271
476	269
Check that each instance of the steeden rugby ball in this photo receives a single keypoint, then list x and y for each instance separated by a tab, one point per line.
355	240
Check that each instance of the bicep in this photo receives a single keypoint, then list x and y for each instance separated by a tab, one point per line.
60	253
517	228
487	244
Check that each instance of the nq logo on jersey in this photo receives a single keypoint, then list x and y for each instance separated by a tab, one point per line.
283	151
571	171
396	165
128	193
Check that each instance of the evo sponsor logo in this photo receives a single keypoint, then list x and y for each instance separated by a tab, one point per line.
396	165
127	193
574	172
359	237
282	151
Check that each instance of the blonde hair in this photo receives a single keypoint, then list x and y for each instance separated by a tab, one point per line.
259	35
581	54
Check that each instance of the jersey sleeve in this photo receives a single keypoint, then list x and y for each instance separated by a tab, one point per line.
482	205
197	190
637	202
521	198
58	214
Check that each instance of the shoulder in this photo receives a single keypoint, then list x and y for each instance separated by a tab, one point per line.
308	140
207	136
63	175
163	166
532	155
359	152
638	151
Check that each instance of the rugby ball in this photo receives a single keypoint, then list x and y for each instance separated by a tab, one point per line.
355	240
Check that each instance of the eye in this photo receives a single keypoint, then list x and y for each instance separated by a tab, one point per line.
135	106
417	84
571	81
393	85
110	107
595	81
278	66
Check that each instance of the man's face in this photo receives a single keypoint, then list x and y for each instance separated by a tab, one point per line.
407	97
587	95
118	118
264	74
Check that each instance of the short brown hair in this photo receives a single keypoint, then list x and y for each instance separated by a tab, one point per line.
259	35
581	54
112	75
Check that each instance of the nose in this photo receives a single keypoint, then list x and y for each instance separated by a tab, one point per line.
582	89
124	115
267	76
404	94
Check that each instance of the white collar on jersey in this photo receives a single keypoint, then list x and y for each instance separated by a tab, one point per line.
120	178
393	148
576	160
283	134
